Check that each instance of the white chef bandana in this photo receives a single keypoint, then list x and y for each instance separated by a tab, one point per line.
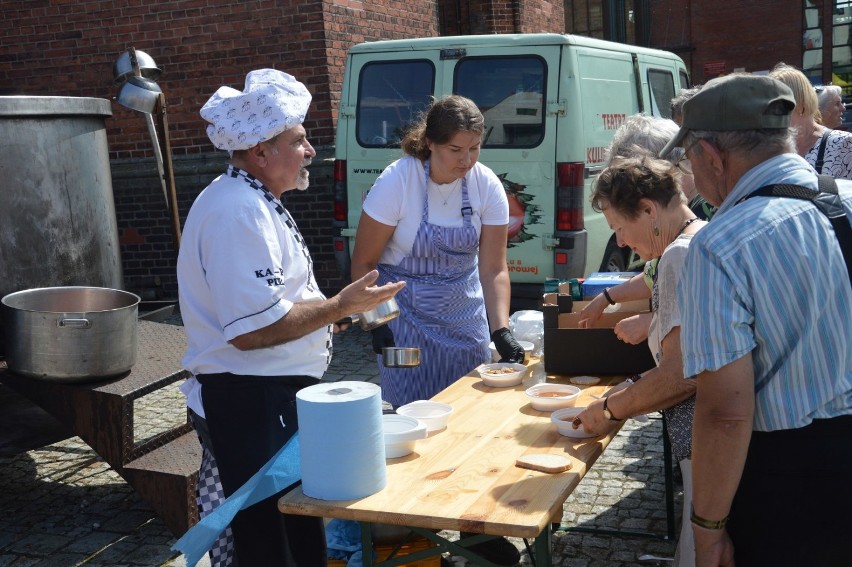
271	102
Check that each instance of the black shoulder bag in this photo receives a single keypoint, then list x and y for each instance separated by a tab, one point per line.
827	200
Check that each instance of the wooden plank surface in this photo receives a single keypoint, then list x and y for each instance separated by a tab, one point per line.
464	477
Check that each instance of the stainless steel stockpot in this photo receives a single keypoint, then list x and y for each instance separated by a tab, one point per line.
70	333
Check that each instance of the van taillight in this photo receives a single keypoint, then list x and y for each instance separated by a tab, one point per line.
340	200
569	196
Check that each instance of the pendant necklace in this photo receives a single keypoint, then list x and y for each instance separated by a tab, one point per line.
445	197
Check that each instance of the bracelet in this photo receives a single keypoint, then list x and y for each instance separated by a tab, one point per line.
707	524
608	297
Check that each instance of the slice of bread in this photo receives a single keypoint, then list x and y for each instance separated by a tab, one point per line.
544	462
584	380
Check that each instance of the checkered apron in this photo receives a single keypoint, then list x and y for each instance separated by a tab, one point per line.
442	309
209	495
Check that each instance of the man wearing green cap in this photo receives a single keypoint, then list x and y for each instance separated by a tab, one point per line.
772	434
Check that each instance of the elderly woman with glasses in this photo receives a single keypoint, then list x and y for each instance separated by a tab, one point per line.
828	151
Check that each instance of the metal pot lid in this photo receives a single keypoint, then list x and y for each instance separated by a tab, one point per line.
23	105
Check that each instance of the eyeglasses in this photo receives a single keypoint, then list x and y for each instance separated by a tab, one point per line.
683	164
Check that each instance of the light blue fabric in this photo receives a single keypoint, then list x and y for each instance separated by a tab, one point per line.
772	274
343	538
278	473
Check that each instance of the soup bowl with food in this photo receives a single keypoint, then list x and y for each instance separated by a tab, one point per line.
549	397
502	374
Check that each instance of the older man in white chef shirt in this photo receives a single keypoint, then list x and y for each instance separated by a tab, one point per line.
258	327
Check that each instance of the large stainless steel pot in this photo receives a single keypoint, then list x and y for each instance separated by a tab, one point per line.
58	222
70	333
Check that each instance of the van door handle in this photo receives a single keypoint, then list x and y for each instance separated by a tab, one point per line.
347	232
557	108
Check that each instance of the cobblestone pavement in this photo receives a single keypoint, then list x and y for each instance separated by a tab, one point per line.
61	505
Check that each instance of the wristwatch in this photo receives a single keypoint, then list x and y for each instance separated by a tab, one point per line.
607	413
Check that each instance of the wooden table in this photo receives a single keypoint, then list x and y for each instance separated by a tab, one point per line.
464	477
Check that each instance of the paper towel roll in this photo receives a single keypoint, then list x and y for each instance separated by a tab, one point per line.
342	440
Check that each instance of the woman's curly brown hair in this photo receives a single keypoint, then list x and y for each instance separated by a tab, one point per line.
628	180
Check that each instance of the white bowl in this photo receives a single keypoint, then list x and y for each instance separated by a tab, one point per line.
401	433
526	345
562	418
549	397
433	414
502	374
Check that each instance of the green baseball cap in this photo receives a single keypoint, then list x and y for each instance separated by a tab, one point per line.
734	102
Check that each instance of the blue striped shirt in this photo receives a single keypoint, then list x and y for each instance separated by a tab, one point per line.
771	272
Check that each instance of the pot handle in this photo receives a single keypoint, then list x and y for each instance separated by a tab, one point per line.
75	323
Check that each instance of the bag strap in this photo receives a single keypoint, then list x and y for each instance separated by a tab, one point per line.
821	151
827	200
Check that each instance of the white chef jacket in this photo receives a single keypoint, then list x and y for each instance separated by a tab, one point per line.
241	267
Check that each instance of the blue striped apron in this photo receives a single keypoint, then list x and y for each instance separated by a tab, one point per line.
442	308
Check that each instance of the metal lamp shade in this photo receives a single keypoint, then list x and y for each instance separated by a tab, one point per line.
123	68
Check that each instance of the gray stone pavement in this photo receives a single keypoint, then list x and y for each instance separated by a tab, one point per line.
61	505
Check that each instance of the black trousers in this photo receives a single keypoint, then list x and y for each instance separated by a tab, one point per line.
249	419
793	506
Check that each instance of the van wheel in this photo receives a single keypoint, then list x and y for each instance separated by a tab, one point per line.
615	259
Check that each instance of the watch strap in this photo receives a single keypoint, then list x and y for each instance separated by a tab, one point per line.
607	411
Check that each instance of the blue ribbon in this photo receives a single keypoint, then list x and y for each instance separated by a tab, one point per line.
278	473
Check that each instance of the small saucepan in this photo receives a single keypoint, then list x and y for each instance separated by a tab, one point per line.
377	316
400	357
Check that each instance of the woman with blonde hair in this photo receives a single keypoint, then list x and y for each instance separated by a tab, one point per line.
828	151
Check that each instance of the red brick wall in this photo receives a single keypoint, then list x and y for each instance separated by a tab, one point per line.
542	16
68	48
513	16
728	34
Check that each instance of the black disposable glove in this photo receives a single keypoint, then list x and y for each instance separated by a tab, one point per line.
382	337
507	346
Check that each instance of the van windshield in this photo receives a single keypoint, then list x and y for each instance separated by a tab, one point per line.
510	92
391	95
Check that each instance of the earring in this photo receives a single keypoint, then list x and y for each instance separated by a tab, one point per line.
656	230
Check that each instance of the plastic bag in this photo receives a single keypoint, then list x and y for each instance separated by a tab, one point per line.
528	325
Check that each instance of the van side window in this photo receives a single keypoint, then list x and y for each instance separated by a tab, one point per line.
391	95
662	92
510	92
684	80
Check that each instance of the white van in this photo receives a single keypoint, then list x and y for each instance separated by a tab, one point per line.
551	104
